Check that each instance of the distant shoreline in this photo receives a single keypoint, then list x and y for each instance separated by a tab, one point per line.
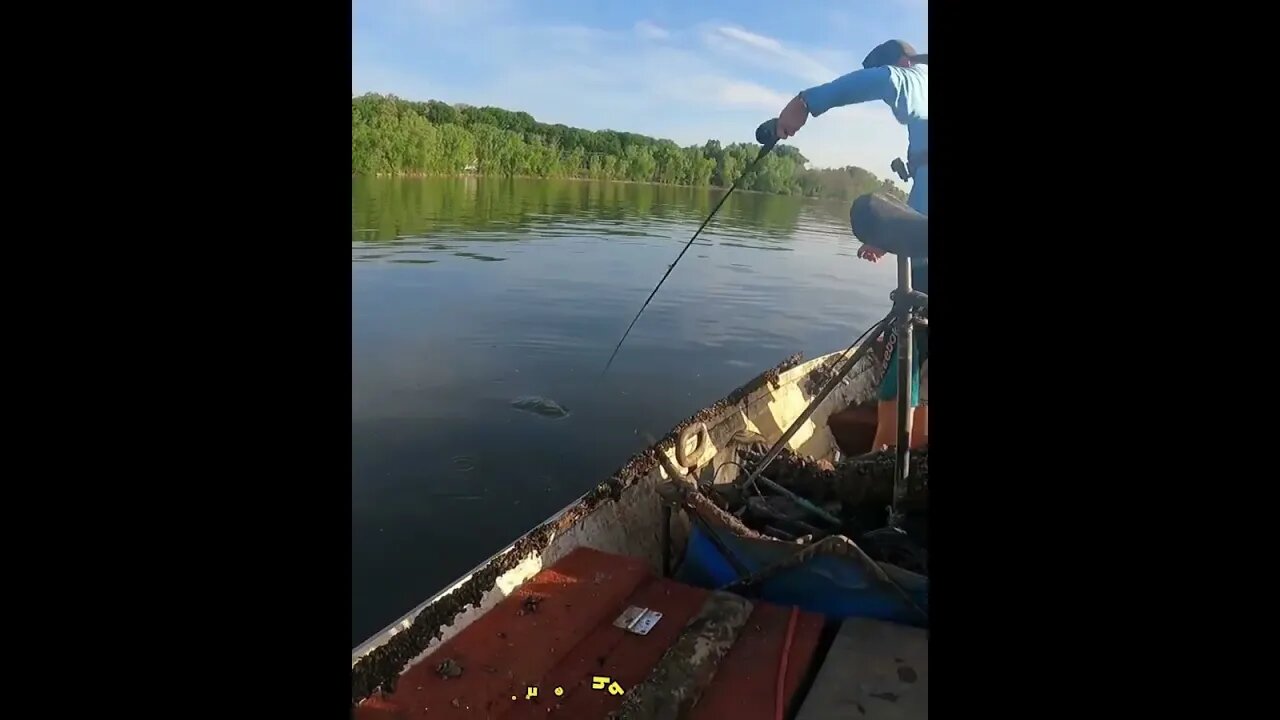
422	176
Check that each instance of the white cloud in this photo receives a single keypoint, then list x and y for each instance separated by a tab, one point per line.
764	43
735	93
460	10
648	30
768	53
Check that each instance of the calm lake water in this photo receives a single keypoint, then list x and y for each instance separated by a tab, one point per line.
469	293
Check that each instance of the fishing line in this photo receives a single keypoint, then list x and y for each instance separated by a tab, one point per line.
767	136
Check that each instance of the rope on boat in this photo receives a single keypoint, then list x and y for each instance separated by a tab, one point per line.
779	706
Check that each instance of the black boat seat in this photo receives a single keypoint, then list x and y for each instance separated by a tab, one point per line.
888	225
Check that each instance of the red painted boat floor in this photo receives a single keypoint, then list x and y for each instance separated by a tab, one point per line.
746	684
556	632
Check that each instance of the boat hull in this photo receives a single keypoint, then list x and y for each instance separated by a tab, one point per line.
624	515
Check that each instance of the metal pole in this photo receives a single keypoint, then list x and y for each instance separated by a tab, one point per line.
902	318
835	380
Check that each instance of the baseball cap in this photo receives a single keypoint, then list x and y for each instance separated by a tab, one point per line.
887	53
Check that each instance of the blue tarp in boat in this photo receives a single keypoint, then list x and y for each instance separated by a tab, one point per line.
835	585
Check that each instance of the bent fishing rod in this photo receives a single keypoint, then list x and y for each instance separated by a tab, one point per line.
767	136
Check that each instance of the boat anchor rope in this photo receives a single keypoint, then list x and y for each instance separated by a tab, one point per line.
683	456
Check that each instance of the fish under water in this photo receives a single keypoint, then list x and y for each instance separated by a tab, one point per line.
540	406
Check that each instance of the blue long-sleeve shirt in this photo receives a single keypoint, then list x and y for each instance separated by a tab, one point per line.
905	91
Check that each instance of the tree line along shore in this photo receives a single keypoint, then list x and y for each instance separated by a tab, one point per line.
392	136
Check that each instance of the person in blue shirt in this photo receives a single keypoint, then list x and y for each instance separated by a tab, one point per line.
895	74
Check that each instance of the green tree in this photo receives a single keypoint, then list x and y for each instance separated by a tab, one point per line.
392	136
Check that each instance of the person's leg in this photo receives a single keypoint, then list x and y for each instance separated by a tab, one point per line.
887	407
920	418
886	425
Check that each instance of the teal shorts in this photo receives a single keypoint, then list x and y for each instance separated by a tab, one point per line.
919	351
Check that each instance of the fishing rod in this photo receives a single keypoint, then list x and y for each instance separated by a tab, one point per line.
767	136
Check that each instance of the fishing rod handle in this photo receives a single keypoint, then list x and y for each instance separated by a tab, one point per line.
767	133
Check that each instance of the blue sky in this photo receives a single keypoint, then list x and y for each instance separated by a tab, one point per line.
689	71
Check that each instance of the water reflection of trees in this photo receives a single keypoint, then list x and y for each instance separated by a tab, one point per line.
384	209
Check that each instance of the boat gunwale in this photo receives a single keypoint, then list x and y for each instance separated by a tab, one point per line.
371	669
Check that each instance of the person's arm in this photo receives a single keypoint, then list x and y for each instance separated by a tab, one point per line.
877	83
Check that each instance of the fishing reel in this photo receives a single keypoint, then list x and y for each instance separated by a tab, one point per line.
767	133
